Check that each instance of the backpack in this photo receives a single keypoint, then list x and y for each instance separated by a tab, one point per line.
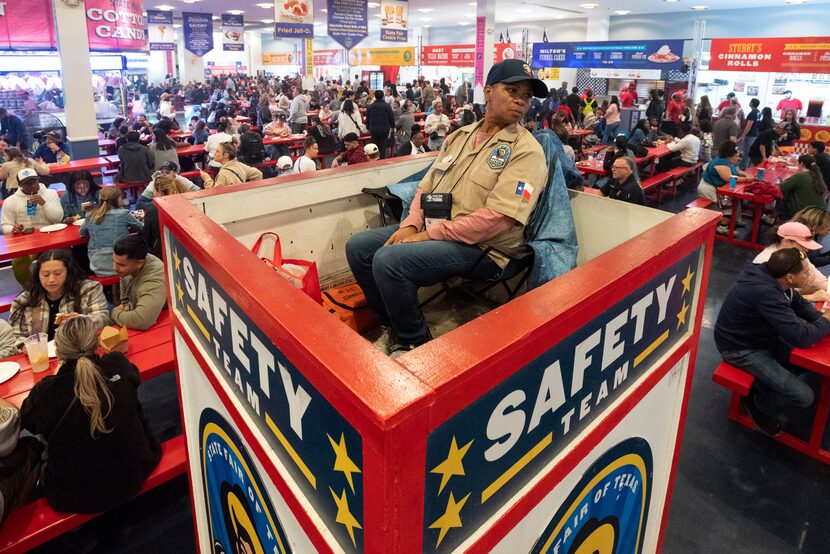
639	150
254	149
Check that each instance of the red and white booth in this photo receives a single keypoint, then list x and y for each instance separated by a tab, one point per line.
550	424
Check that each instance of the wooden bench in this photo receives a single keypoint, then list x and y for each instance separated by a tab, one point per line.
35	523
699	202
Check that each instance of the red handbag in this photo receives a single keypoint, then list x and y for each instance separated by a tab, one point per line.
300	273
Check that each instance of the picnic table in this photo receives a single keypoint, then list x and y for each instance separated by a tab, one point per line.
78	165
18	244
742	192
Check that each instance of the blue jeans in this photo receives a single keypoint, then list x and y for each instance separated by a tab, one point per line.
391	275
610	132
779	387
746	144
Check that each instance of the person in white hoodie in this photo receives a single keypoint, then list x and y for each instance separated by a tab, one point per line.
32	205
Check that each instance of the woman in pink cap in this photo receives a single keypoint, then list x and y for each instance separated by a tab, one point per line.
797	235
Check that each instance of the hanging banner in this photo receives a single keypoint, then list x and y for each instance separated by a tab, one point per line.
115	26
348	22
403	56
329	57
308	58
160	30
198	32
478	74
394	16
548	73
233	27
624	54
278	58
27	26
294	19
781	55
463	55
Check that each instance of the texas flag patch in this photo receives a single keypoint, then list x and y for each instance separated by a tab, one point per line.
525	190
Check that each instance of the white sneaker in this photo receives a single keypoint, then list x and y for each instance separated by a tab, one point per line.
722	229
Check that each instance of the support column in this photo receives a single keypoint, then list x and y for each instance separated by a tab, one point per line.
191	66
485	27
599	26
76	74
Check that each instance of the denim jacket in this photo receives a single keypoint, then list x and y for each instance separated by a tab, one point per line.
71	204
102	236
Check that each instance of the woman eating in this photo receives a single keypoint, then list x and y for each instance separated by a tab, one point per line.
104	227
100	450
804	189
718	172
231	171
58	293
80	197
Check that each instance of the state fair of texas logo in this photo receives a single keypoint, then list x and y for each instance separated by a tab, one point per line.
241	517
606	512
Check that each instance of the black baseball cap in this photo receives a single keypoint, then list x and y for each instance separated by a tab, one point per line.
169	166
513	71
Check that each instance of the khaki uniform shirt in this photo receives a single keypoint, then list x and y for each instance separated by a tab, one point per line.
506	174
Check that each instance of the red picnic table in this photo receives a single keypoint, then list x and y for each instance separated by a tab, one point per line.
108	145
78	165
591	167
17	245
150	350
741	192
654	154
192	150
815	359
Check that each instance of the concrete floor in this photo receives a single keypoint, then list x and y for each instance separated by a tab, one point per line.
736	491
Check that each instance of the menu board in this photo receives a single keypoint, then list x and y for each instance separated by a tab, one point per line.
463	55
783	55
198	32
348	21
627	54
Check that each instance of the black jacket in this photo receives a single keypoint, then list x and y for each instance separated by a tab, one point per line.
379	117
89	475
136	163
757	312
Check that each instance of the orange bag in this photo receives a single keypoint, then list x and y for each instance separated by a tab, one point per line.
349	304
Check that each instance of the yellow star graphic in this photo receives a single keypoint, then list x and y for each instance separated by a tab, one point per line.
342	462
177	260
681	315
687	281
344	515
179	292
452	465
451	518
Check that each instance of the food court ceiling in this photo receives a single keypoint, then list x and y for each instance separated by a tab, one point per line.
446	13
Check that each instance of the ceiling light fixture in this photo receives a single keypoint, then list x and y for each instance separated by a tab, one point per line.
177	26
265	5
426	10
796	1
324	10
269	21
700	8
464	23
425	25
215	18
165	8
236	12
588	6
373	5
622	12
190	1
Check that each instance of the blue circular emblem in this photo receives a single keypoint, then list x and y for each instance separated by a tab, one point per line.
606	512
240	514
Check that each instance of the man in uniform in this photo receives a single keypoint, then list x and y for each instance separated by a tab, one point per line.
494	171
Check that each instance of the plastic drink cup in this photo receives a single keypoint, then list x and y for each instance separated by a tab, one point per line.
37	348
733	182
590	158
761	173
